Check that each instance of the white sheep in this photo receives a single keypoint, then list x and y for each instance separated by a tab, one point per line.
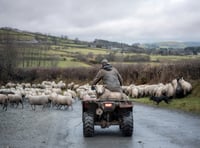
70	85
61	100
6	91
149	90
4	101
38	100
56	90
187	87
124	88
46	83
81	94
128	89
174	83
134	92
73	93
159	90
61	85
103	93
15	99
141	90
10	85
170	91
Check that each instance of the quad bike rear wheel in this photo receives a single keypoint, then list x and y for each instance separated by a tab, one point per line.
127	124
88	124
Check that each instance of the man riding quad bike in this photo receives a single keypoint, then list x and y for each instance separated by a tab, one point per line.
108	111
110	76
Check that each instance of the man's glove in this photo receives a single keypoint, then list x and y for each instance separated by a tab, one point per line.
92	87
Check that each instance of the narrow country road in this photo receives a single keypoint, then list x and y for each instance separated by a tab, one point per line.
50	128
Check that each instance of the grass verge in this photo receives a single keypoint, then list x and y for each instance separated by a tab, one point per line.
187	104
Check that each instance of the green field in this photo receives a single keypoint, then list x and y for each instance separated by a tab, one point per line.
173	58
70	53
67	64
154	59
66	57
85	51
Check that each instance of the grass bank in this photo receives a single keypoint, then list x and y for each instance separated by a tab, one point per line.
187	104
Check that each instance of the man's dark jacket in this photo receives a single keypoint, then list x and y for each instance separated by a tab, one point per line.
110	77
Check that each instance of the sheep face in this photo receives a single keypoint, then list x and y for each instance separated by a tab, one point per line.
99	89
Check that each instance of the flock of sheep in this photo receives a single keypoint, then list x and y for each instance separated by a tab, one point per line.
45	94
176	88
62	95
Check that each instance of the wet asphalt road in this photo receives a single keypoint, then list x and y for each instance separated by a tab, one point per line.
153	128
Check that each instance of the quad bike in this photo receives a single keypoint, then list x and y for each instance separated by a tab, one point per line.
105	113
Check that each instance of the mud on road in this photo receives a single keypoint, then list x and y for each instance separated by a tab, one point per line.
50	128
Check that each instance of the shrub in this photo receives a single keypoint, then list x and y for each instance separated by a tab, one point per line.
131	73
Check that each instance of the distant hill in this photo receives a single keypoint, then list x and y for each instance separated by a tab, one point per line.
27	37
192	44
171	44
35	37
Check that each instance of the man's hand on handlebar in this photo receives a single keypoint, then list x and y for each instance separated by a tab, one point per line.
92	87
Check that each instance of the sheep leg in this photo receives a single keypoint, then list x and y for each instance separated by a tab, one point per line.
56	105
63	106
47	105
52	104
66	107
32	107
71	107
5	107
185	92
12	104
43	106
22	104
59	106
17	103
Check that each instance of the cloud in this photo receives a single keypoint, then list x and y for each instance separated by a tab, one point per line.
125	21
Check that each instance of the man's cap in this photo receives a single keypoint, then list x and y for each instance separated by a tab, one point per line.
104	61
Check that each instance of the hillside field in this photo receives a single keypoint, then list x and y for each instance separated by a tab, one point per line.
39	50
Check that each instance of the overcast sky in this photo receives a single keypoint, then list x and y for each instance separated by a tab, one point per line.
128	21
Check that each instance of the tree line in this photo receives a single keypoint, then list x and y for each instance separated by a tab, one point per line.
131	73
14	54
